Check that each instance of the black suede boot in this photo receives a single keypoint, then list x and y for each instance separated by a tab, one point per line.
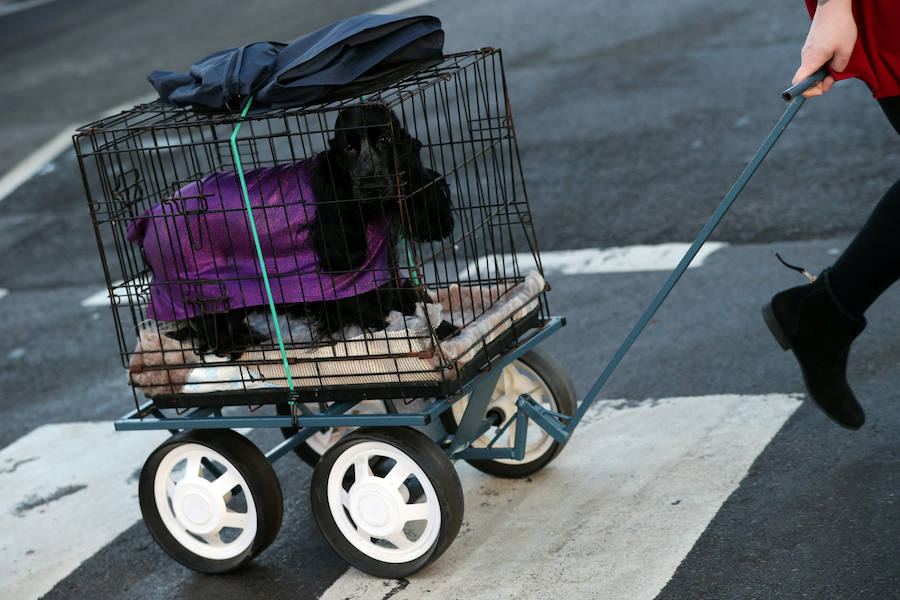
809	320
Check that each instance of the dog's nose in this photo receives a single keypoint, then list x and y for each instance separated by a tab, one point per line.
365	162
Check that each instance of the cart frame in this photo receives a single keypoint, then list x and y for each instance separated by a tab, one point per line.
332	501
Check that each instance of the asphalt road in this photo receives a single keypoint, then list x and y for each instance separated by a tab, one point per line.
632	119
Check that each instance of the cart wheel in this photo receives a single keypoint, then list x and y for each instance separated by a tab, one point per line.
316	445
540	375
387	500
211	499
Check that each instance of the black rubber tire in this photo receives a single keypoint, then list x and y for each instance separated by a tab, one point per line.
261	480
554	376
433	462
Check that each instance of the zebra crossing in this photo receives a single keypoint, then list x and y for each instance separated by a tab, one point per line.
614	515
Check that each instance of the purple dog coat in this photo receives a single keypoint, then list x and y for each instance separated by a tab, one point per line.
200	249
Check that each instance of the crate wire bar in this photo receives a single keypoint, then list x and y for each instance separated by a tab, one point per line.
168	166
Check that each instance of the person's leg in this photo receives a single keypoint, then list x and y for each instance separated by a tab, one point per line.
871	263
891	107
819	321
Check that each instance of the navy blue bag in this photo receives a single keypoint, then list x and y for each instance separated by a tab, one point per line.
347	58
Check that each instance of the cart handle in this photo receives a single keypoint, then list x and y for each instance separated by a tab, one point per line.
801	86
553	425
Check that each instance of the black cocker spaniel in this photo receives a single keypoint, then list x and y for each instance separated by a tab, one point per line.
371	170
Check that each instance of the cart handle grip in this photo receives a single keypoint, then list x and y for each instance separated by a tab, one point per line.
801	86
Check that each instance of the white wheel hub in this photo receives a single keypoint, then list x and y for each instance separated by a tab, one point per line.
374	512
374	508
516	379
193	492
197	508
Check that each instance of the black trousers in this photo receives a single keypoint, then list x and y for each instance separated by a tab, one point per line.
871	263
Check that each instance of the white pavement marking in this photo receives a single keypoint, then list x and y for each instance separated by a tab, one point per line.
659	257
399	7
68	491
101	298
12	7
3	292
612	517
35	161
123	293
622	259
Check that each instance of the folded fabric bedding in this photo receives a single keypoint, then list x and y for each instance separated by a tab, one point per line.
403	352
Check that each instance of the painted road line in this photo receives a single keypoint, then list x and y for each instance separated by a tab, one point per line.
32	164
589	261
612	517
101	298
4	292
68	490
35	161
15	6
622	259
138	289
399	7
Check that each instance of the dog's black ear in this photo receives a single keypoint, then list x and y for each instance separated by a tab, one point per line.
429	214
408	149
403	136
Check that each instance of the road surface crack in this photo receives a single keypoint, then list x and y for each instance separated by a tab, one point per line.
34	501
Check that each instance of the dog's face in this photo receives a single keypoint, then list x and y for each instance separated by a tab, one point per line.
365	140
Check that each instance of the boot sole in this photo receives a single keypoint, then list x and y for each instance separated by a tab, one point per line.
775	327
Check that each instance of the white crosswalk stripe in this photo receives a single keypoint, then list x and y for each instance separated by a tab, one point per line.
123	293
622	259
612	517
620	507
68	491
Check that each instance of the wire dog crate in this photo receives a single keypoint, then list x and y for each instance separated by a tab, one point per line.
396	251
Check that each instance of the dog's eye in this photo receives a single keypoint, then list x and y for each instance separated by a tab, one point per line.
385	140
351	142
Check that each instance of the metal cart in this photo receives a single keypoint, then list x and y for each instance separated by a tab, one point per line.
380	416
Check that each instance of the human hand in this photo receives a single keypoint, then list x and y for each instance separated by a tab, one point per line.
830	42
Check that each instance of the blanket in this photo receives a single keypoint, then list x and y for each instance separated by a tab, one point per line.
403	352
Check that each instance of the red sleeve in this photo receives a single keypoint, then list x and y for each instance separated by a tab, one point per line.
876	56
